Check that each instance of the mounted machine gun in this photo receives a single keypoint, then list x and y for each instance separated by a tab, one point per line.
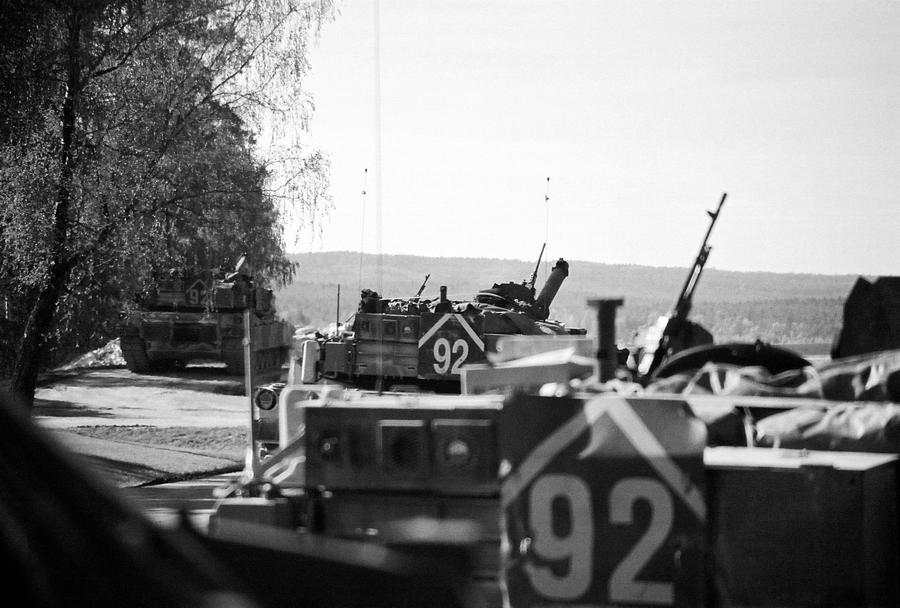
422	287
536	267
679	333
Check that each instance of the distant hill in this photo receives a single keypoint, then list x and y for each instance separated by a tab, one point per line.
775	307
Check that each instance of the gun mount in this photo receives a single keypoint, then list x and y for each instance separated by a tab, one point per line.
677	331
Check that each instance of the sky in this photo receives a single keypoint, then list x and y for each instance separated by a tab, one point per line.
443	127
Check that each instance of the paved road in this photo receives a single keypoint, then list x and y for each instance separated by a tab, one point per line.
199	396
164	503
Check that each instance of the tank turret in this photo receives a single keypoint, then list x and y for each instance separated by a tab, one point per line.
519	297
514	296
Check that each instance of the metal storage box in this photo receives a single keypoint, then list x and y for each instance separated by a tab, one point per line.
801	528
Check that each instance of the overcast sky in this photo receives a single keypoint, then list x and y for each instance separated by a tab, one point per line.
641	114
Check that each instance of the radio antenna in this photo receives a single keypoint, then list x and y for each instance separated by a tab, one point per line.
547	228
362	236
379	261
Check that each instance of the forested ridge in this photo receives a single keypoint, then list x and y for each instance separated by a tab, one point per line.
780	308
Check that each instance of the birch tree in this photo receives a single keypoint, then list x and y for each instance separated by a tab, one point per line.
128	142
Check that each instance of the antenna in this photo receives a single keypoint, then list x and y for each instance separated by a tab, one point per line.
378	181
379	370
362	236
546	228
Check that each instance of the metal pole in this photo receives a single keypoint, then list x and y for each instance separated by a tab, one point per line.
248	388
607	351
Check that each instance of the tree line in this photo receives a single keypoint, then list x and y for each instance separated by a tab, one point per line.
131	141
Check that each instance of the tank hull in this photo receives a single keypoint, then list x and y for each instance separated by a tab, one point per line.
426	347
200	317
153	341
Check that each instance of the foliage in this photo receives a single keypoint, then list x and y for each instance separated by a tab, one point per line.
128	144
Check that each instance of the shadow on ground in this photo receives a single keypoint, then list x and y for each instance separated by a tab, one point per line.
208	379
65	409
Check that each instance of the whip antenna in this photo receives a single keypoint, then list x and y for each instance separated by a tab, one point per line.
379	264
362	236
547	227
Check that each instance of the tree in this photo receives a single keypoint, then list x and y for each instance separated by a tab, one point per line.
127	144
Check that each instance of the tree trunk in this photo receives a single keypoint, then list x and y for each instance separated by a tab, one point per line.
40	320
31	348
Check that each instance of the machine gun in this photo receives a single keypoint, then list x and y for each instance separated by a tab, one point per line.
536	267
673	337
422	287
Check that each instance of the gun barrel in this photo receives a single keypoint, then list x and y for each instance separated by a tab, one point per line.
422	287
714	215
699	262
551	287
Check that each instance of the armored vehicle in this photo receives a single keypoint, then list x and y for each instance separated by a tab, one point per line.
427	341
192	316
759	485
606	494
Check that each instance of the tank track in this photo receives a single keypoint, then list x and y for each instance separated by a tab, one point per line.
266	360
233	356
271	359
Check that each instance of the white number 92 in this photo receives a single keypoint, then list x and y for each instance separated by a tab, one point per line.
443	354
577	547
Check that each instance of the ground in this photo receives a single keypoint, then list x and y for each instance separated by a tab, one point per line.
139	429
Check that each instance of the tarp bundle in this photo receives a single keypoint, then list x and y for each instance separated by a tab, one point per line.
865	415
857	427
870	377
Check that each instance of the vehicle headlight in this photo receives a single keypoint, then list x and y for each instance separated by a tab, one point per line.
266	397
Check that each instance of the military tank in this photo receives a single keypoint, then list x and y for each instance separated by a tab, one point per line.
191	316
393	342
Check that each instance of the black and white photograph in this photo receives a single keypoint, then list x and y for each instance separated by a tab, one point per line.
450	303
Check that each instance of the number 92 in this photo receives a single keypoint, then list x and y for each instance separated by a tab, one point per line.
577	547
444	355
